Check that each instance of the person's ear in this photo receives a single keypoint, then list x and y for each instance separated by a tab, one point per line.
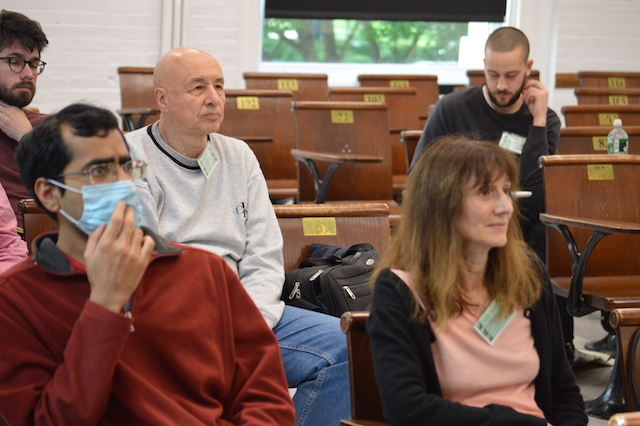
48	194
161	98
529	67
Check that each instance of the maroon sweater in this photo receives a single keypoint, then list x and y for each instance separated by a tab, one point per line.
200	352
9	174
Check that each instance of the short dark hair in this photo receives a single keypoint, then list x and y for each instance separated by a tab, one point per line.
43	152
16	28
507	39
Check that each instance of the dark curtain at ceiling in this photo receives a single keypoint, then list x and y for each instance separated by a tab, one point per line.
390	10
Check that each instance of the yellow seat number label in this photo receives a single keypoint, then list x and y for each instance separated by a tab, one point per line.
606	119
288	84
399	83
248	102
600	171
342	116
319	226
617	82
600	143
374	97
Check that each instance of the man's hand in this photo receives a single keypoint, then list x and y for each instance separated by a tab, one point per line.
116	258
13	121
536	97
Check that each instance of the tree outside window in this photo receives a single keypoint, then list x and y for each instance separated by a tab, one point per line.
357	41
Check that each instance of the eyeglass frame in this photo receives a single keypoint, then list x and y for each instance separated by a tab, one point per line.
133	164
24	64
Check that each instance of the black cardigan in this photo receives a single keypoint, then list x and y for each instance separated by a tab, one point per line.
408	381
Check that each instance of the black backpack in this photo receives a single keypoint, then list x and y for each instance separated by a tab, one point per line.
334	283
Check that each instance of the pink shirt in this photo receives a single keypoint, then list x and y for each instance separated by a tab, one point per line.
13	249
474	373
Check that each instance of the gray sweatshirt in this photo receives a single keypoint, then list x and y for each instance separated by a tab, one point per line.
229	213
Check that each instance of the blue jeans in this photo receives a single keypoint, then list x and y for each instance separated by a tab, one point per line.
314	354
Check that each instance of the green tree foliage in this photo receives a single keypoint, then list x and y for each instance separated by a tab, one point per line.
305	40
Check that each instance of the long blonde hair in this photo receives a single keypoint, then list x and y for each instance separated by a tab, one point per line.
428	244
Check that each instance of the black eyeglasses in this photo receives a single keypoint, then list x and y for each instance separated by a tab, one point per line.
107	172
17	64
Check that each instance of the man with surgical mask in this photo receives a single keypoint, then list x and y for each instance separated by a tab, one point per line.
111	324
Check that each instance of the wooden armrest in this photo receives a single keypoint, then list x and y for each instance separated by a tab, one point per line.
353	320
624	419
336	157
625	316
602	225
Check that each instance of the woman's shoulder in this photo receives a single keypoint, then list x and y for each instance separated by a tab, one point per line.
392	278
391	288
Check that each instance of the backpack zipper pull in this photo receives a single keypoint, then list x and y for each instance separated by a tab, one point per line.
316	275
349	292
295	292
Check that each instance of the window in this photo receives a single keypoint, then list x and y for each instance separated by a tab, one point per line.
344	38
343	48
355	41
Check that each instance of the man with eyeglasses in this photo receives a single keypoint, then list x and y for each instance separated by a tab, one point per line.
21	43
110	323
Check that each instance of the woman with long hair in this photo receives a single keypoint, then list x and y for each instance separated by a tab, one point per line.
464	328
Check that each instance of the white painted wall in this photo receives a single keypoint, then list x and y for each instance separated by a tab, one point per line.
596	35
89	39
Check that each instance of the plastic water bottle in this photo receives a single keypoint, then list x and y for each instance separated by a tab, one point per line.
618	139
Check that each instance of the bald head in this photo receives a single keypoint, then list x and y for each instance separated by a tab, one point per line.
168	68
189	91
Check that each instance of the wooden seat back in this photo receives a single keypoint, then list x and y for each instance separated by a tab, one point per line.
626	323
345	127
365	399
304	87
264	120
34	221
402	112
427	89
609	79
410	140
137	90
476	77
601	115
606	96
341	225
593	140
595	187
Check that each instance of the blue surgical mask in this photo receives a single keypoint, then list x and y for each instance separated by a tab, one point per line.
100	201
